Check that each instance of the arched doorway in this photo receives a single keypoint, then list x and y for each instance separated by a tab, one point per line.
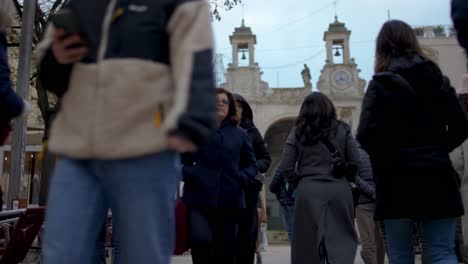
275	137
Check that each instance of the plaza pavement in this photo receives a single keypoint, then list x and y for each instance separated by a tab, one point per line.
276	254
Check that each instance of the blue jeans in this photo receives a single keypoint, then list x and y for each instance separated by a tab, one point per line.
288	214
141	194
439	236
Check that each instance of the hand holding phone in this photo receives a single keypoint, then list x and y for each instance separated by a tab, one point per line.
68	46
68	49
66	20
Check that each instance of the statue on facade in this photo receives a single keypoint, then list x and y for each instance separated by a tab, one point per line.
306	76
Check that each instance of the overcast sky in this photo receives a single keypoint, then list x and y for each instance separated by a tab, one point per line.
290	32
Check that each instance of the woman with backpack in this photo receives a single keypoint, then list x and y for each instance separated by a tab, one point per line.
410	121
323	227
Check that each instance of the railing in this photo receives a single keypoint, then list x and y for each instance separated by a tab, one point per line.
435	31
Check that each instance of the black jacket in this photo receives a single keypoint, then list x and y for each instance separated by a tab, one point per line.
365	179
261	153
278	187
217	174
410	122
460	21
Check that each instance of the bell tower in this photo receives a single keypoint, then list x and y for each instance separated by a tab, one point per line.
243	44
243	74
339	77
337	43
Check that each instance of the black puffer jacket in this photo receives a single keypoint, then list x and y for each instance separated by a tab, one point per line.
410	121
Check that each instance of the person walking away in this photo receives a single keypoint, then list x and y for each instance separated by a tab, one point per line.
247	235
215	179
324	210
373	248
459	12
410	121
279	187
11	105
460	162
137	86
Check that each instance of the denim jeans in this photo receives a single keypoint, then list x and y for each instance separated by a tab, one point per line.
439	237
141	194
288	214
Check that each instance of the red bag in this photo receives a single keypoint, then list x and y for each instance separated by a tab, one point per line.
4	133
182	228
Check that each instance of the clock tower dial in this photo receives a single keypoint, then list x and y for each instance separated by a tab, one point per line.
341	79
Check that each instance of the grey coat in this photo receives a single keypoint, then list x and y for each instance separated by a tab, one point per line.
324	204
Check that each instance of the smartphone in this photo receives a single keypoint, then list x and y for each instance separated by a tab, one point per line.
66	20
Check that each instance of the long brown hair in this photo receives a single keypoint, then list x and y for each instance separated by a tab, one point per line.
232	106
317	119
395	39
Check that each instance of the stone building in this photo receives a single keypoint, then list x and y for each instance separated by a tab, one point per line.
441	45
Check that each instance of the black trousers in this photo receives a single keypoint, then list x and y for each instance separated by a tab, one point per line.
248	230
213	234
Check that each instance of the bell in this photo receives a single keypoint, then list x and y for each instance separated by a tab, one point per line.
337	53
243	55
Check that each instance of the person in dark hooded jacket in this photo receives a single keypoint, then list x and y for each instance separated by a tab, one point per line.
248	225
410	121
460	21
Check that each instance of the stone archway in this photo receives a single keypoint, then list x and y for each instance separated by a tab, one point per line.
275	138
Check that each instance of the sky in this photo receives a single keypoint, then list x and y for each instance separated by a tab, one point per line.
290	32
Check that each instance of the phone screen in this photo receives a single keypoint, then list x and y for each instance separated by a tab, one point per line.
65	20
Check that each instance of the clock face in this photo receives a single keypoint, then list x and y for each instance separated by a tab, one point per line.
341	79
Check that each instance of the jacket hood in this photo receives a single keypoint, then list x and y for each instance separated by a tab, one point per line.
247	113
418	71
404	63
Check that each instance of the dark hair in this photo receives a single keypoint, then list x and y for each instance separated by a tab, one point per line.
316	120
463	98
232	105
395	39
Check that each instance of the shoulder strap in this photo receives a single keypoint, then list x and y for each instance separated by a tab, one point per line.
331	148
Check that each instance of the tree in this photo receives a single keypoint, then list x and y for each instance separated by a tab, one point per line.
216	5
47	102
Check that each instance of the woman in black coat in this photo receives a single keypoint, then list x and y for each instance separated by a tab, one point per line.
248	224
215	178
410	122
